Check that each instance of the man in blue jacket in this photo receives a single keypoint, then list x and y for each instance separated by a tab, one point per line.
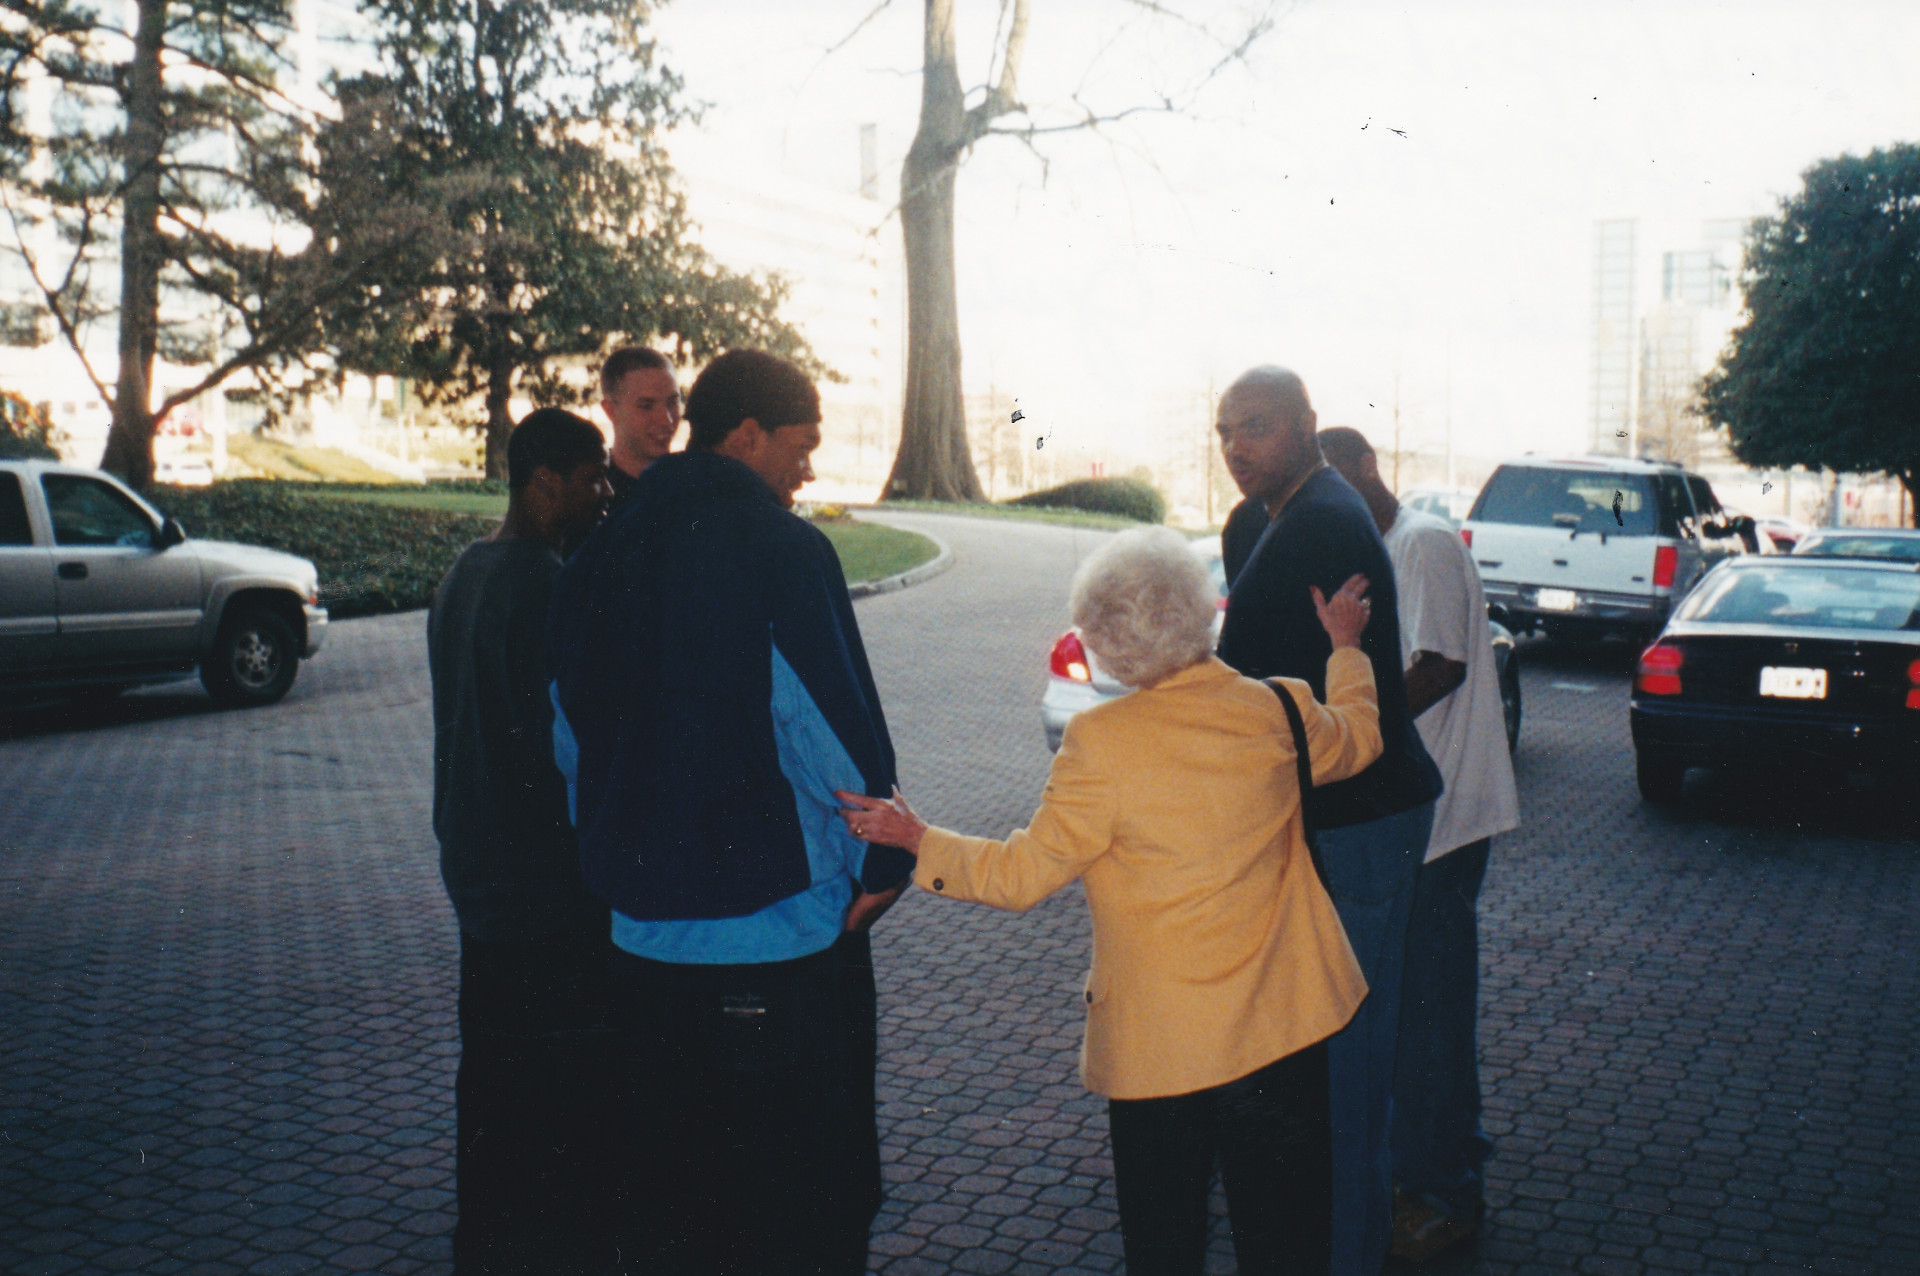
1302	526
711	692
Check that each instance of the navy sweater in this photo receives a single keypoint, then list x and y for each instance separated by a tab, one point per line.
661	644
1324	535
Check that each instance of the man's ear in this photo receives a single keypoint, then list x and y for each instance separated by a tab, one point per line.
743	441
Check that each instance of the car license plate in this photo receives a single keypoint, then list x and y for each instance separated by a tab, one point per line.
1793	684
1557	600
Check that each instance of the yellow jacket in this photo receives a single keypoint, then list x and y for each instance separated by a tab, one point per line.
1215	949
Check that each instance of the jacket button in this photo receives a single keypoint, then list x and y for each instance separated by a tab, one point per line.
1089	996
939	884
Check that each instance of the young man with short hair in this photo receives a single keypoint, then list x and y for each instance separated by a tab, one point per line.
712	693
642	400
535	1057
1453	692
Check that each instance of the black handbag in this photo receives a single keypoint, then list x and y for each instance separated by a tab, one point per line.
1305	763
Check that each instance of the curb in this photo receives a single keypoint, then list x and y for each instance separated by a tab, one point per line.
912	576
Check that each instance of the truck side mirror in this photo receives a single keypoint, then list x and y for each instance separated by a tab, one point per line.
171	533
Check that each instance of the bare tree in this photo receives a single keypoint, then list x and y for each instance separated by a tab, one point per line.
934	461
182	147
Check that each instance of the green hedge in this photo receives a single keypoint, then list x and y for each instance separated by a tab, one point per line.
25	433
372	557
1127	497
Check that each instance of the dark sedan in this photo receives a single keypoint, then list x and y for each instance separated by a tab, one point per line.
1809	658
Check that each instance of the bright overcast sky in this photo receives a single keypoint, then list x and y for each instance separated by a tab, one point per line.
1281	220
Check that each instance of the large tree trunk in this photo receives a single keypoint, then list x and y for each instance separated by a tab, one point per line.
934	462
130	442
499	415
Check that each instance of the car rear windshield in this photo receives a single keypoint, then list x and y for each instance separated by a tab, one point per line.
1587	500
1900	548
1821	598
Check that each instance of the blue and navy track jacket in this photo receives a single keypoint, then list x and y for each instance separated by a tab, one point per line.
710	685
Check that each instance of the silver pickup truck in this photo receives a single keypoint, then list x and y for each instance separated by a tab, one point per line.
100	591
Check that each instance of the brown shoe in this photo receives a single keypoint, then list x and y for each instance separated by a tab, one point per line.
1421	1232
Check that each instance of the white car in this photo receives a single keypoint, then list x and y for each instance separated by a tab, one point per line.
1075	680
1449	503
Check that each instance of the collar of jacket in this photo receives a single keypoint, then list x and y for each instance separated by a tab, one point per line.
1209	669
1275	511
707	473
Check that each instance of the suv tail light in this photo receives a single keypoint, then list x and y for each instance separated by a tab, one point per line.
1659	671
1913	685
1665	560
1466	534
1069	659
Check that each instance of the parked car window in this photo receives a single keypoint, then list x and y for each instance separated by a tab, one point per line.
1676	507
1703	498
88	512
1900	548
1837	598
14	528
1535	496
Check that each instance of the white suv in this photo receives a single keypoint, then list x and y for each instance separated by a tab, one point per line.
1594	545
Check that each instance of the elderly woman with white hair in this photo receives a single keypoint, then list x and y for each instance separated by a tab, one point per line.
1219	963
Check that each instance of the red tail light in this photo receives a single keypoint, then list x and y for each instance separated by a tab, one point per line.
1913	685
1665	559
1659	671
1069	659
1466	534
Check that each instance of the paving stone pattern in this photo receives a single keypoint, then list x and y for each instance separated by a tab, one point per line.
227	968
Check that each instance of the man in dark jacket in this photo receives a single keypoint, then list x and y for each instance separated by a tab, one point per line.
535	1051
712	693
1302	526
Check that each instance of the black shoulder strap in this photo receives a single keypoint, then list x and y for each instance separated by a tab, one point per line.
1305	762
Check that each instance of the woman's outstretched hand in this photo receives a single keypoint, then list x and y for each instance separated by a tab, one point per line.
878	820
1344	616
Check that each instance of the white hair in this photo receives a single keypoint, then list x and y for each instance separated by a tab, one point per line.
1144	605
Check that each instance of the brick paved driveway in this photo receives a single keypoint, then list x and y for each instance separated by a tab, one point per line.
226	1029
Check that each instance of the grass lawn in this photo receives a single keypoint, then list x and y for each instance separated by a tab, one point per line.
412	496
272	459
1021	513
867	551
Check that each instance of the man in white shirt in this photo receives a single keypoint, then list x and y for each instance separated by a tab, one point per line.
1453	692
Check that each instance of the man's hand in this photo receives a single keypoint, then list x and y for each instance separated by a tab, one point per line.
867	908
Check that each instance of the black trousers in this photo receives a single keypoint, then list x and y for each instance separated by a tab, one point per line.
535	1084
1271	1134
752	1143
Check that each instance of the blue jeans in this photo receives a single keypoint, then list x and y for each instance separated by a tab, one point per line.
1438	1145
1370	869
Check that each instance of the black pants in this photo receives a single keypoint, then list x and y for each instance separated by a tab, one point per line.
1271	1133
535	1084
752	1143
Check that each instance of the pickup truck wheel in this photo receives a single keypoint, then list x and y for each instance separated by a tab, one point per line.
1510	701
253	660
1662	774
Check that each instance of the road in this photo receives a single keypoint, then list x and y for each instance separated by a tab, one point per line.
227	983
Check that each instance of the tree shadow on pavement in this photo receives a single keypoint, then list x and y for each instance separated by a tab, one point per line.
62	715
1807	798
1593	656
